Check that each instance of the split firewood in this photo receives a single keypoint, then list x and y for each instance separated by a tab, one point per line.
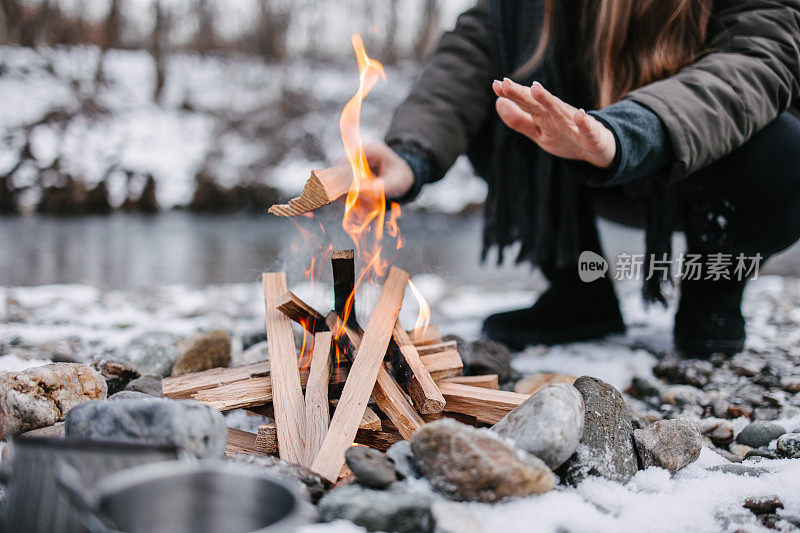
420	386
286	389
184	386
322	188
487	381
343	264
487	405
317	410
443	365
244	442
298	311
362	377
267	437
438	347
388	395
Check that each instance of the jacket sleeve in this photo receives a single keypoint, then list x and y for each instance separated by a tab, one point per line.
453	95
750	75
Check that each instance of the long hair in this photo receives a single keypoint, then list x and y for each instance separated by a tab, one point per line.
630	43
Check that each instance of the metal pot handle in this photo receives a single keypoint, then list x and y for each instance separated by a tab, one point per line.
85	501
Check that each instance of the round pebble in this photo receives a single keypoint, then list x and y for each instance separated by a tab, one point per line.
789	445
758	434
370	467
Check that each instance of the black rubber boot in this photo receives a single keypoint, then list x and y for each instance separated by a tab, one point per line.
569	311
709	318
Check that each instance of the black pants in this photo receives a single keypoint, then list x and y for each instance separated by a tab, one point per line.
746	203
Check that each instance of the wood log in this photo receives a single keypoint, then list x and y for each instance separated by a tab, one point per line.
439	347
243	442
487	381
238	395
186	385
381	440
363	375
286	389
298	311
388	395
317	409
487	405
267	438
443	365
344	280
370	421
420	386
322	188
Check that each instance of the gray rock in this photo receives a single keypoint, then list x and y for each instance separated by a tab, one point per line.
402	459
669	444
606	448
117	372
394	510
789	445
739	470
720	431
747	364
154	354
41	396
548	425
761	453
150	385
130	395
485	356
54	431
683	395
757	434
187	424
451	517
203	352
370	467
468	464
306	481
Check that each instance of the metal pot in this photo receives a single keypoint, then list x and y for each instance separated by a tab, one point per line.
35	503
208	496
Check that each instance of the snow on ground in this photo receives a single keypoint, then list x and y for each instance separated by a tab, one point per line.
35	322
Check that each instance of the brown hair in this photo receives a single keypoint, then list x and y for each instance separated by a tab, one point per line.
630	43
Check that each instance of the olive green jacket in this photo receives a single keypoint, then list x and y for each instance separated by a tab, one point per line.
750	75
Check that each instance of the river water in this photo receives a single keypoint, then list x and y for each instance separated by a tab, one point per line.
132	250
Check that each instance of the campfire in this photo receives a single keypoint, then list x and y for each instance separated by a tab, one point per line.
349	385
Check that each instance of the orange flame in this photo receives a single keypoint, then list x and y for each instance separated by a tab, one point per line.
424	316
365	206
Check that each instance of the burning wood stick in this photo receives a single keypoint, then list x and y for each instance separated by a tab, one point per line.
286	389
344	280
424	392
363	375
487	381
487	405
387	393
317	409
302	313
322	188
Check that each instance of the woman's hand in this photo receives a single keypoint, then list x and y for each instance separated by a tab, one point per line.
557	127
391	171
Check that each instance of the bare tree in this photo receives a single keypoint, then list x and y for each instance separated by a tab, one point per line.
429	31
271	31
110	38
157	46
390	54
205	39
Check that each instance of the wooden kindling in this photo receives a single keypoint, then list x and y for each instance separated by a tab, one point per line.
297	310
487	405
322	188
287	394
388	395
419	383
363	375
317	409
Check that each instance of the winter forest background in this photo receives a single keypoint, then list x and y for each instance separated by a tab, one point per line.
213	105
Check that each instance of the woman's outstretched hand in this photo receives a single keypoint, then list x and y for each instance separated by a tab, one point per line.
557	127
394	176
